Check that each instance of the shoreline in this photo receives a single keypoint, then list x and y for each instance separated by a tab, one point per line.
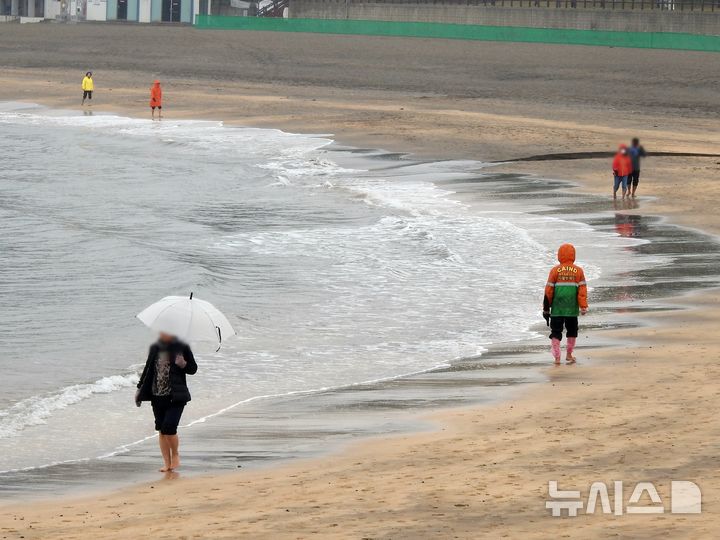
641	411
361	125
411	414
464	191
228	497
417	423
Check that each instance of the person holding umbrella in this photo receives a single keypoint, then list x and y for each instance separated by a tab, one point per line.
163	382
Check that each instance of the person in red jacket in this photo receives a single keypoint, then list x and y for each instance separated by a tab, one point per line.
565	299
622	168
156	99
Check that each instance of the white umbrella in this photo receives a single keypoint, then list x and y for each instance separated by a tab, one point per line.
189	319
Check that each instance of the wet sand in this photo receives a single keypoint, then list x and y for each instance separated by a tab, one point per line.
641	412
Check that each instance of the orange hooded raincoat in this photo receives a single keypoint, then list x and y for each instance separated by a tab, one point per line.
566	289
622	164
156	95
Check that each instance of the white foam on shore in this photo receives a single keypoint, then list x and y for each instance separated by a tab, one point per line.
36	410
126	447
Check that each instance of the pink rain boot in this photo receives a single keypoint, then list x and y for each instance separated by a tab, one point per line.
555	348
570	359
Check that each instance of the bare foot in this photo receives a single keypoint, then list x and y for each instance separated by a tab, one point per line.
557	361
166	469
175	462
570	359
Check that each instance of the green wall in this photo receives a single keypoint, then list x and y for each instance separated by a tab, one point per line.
643	40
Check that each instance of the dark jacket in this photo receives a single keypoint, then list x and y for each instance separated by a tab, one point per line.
635	153
178	385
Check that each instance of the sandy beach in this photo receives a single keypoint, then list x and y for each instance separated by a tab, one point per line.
643	411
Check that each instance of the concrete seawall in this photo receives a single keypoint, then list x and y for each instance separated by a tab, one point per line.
707	23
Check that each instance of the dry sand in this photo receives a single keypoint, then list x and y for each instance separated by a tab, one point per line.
644	412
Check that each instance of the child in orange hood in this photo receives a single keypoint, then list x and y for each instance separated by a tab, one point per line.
622	169
156	99
565	299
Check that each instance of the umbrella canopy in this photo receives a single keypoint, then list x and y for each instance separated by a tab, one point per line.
188	318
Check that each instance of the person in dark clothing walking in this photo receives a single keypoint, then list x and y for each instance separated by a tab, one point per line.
164	385
636	152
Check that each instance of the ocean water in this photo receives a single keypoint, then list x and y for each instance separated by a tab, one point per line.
335	268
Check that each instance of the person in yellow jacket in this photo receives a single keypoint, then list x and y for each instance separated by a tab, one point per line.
87	86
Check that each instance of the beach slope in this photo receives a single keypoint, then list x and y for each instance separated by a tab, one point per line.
640	414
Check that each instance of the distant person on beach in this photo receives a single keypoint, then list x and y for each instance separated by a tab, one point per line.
636	153
156	99
622	168
87	87
163	384
565	299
